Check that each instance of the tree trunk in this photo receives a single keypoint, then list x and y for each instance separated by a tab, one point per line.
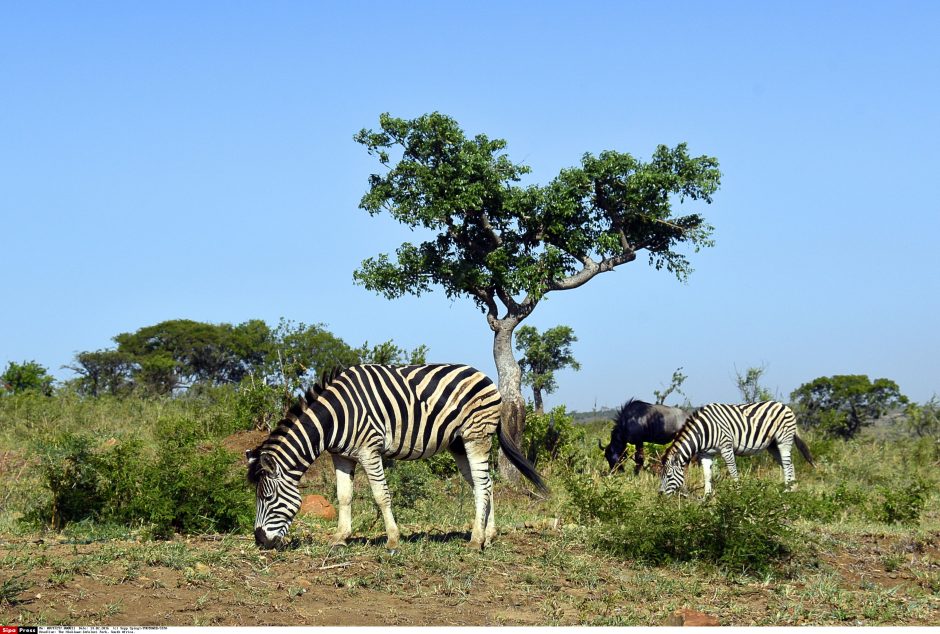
512	417
537	401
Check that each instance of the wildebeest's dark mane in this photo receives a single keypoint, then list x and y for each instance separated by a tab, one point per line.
631	404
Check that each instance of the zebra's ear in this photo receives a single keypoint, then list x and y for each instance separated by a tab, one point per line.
251	455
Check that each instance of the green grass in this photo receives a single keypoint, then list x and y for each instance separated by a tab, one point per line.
601	550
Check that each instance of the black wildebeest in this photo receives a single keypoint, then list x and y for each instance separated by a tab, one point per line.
638	422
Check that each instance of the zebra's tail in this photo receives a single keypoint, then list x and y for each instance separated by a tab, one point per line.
518	460
803	449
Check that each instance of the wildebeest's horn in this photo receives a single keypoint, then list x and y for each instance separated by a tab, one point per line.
599	445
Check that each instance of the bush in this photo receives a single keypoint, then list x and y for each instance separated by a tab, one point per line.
744	527
181	485
410	481
258	405
924	420
902	501
68	469
550	436
24	377
904	504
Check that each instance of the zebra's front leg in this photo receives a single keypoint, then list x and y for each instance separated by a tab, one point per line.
345	471
478	464
706	462
371	462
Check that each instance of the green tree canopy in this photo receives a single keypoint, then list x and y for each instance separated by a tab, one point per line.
506	245
543	354
28	376
302	352
842	405
181	352
389	353
104	372
498	240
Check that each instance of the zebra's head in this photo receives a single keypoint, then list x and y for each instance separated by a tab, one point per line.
277	497
673	473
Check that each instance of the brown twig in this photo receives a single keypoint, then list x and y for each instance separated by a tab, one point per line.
339	565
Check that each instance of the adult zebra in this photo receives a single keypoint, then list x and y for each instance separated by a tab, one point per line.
732	430
368	412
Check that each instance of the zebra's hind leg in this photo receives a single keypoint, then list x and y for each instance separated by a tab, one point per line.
371	462
345	470
786	463
727	454
478	469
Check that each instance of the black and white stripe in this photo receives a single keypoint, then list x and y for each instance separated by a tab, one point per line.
731	430
368	412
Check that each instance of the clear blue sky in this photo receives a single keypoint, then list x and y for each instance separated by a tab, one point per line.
195	160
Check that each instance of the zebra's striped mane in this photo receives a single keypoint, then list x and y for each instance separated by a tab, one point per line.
683	432
325	379
312	394
291	416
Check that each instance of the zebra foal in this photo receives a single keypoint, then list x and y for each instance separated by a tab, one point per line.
731	430
368	412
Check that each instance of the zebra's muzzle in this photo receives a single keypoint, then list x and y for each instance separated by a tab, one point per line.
263	541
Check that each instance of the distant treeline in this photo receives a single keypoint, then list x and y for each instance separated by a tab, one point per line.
179	354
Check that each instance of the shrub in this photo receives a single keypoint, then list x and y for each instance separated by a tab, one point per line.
842	405
68	470
442	464
844	500
181	485
550	436
744	527
257	405
924	420
903	504
409	481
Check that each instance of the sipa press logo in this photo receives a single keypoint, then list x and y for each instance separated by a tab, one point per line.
21	629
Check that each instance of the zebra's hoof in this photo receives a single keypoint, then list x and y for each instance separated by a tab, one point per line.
475	545
392	551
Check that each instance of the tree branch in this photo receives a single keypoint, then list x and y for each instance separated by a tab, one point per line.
511	304
590	269
486	297
485	221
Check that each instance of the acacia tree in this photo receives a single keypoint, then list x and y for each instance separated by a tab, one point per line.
842	405
182	352
506	245
103	372
542	354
